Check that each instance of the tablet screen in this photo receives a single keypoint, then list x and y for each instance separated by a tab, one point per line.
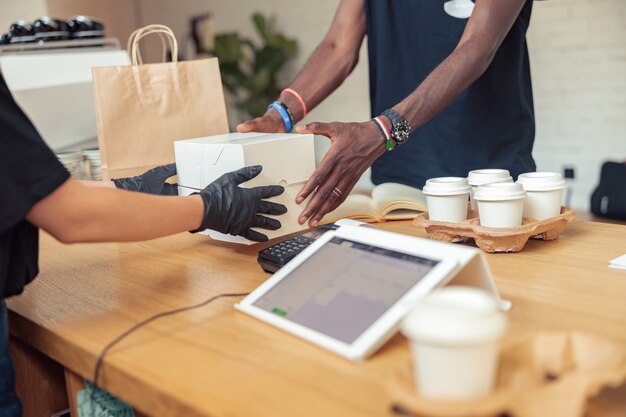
345	287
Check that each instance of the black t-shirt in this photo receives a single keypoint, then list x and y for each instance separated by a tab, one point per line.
29	171
490	125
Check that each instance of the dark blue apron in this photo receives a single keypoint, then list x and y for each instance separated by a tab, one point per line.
491	125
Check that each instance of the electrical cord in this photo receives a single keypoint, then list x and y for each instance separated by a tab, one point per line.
128	332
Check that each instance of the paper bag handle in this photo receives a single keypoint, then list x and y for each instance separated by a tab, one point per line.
165	34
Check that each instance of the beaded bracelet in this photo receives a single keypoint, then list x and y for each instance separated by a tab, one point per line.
284	113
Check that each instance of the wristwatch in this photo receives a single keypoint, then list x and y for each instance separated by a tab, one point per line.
400	127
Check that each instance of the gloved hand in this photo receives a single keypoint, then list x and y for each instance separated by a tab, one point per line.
151	182
231	209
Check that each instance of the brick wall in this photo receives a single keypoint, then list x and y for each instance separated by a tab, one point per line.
578	59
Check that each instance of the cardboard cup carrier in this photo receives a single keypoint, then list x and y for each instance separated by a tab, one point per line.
545	374
495	239
496	226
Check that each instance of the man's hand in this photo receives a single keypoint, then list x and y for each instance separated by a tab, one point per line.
231	209
355	147
150	182
270	122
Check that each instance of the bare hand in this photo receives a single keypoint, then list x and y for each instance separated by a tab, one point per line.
355	147
270	122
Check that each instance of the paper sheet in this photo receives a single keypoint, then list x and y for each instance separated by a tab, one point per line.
618	263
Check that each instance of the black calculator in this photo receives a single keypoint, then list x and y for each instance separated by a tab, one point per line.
278	255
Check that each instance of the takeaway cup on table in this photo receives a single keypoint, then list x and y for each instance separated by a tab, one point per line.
479	177
500	204
446	198
454	335
544	191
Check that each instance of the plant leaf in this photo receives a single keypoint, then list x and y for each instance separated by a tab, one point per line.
270	58
260	23
228	47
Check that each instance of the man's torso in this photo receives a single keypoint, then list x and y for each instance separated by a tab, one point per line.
491	125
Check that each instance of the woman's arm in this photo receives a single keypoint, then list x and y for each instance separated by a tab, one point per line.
97	184
79	213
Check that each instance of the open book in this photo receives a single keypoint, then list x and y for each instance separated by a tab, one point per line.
389	201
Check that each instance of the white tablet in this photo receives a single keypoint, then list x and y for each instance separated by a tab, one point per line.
348	291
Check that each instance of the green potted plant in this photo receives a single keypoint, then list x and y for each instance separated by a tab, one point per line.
250	71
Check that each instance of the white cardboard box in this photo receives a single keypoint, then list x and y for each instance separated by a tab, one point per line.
287	159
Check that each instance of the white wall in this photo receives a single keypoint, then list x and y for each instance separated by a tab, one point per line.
12	10
578	59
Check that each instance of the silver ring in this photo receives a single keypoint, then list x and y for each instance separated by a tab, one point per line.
337	191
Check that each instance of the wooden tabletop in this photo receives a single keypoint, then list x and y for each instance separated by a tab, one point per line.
215	361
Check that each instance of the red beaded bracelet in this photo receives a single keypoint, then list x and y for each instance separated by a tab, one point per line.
299	98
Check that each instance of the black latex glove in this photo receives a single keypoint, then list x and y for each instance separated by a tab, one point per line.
151	182
231	209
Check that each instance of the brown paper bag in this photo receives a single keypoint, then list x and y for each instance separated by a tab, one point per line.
142	109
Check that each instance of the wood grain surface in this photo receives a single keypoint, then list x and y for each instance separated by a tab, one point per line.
215	361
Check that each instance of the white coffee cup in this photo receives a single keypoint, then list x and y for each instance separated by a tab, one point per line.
500	204
454	335
544	192
446	198
479	177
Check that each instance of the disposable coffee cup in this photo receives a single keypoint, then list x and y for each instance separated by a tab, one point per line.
480	177
446	199
544	192
454	336
500	204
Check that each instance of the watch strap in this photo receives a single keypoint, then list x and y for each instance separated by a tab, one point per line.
399	124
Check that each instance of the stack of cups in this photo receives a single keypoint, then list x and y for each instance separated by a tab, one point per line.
480	177
500	204
544	191
74	163
454	335
446	198
95	163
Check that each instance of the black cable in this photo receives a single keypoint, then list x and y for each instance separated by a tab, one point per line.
139	325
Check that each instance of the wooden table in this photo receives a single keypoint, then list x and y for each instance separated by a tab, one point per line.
215	361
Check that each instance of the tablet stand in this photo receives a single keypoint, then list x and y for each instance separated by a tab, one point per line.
472	268
473	271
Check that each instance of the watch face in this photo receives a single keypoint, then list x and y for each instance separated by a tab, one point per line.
401	131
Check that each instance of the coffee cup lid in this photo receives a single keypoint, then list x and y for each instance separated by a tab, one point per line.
500	191
446	186
488	176
541	181
455	315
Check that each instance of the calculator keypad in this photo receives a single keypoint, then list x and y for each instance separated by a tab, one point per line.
281	253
